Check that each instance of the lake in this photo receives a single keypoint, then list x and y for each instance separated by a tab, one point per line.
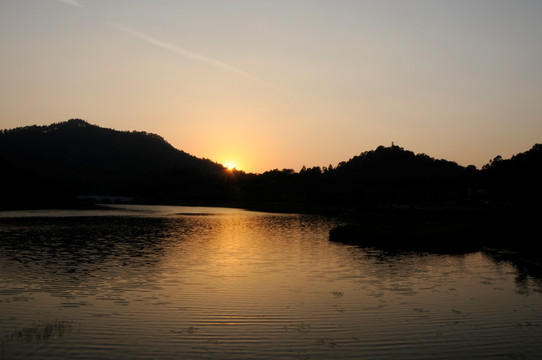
166	282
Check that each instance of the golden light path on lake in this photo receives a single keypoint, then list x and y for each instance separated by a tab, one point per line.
162	282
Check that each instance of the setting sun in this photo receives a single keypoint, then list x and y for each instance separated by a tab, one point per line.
230	166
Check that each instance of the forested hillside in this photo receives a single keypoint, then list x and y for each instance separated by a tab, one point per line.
51	165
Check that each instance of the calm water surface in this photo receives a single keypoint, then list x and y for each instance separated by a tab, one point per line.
144	282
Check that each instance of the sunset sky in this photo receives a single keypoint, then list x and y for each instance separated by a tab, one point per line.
282	83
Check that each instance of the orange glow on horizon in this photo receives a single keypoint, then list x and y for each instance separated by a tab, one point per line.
230	166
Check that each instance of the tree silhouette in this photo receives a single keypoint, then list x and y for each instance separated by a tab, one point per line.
76	157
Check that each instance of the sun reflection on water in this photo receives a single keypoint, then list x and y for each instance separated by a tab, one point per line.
237	284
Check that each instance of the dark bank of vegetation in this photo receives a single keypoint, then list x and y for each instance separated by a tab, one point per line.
460	230
500	209
390	194
53	164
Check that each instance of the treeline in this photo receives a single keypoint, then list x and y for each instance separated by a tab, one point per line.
73	158
51	165
387	176
500	209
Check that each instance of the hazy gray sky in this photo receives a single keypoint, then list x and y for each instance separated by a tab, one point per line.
282	84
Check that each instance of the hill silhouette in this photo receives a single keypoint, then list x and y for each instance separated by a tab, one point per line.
50	165
384	177
76	157
499	209
516	180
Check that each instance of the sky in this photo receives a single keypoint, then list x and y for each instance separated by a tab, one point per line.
282	83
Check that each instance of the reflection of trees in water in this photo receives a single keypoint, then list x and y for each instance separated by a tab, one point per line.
387	264
64	255
404	272
89	252
527	265
71	242
388	258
